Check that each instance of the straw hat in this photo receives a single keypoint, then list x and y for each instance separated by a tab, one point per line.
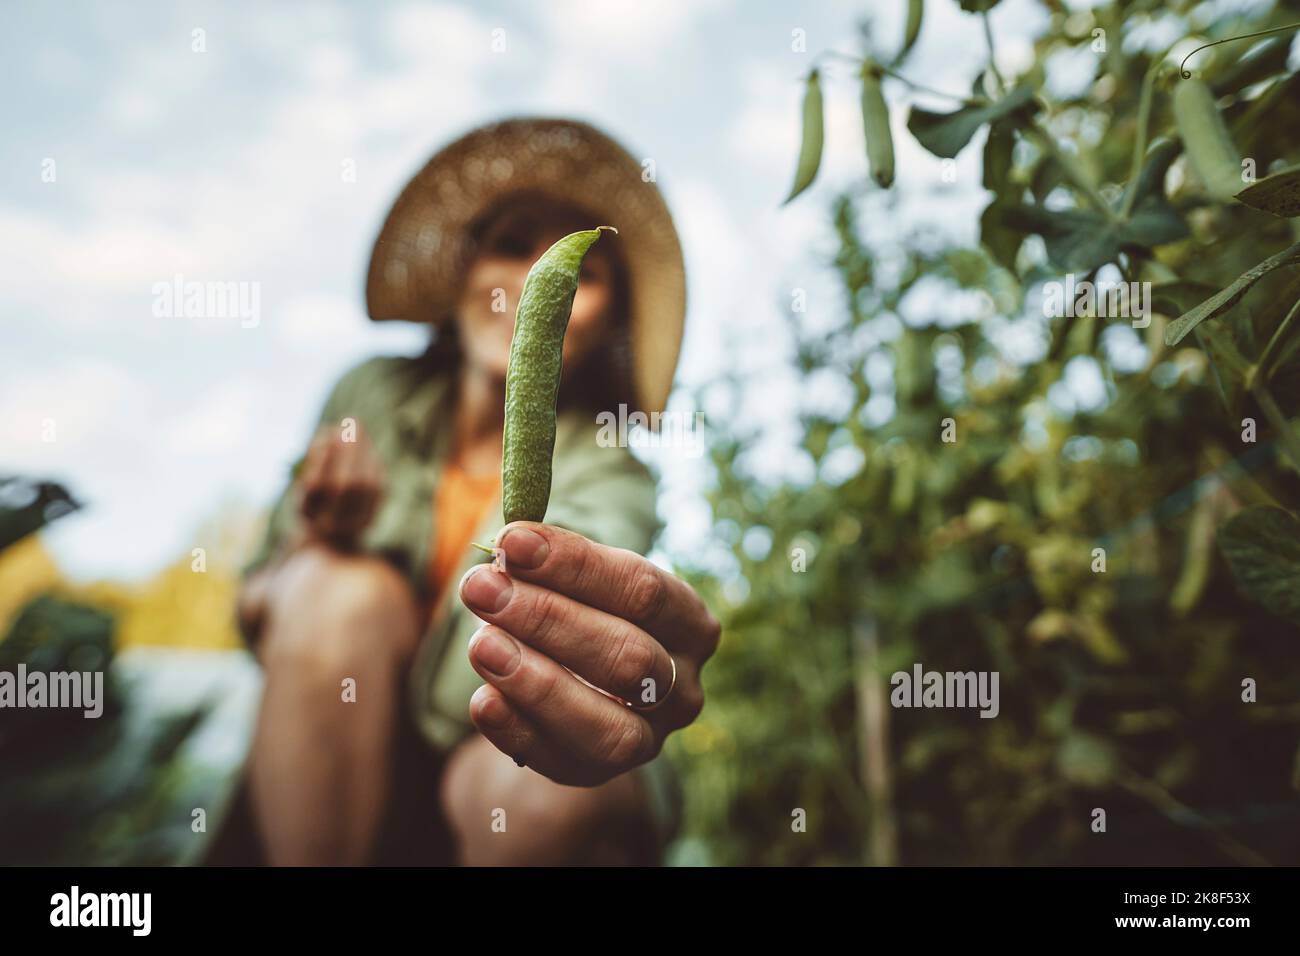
420	255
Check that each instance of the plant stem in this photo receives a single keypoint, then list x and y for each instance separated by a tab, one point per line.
1070	166
860	61
1171	806
1182	67
1140	138
1261	366
1286	435
873	745
964	100
993	59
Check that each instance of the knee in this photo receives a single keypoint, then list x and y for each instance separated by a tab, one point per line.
330	613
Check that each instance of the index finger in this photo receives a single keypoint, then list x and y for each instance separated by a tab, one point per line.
614	580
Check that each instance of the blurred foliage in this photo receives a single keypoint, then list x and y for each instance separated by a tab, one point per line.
119	788
177	607
27	506
883	545
80	790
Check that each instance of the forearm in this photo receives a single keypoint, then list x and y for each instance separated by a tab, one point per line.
504	815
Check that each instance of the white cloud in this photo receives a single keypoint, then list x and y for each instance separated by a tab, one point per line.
217	424
765	131
50	417
446	37
157	78
625	27
115	254
326	332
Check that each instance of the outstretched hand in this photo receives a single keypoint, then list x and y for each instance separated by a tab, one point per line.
591	654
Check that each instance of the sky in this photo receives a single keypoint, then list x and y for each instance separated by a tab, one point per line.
214	142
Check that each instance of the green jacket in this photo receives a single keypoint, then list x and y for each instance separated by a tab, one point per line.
604	494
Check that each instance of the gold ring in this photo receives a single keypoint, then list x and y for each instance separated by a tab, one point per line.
671	684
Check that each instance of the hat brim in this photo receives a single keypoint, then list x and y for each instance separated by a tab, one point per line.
421	252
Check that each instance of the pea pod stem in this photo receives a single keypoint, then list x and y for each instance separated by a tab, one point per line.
890	71
993	64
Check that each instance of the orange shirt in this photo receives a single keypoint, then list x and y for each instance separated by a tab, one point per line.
459	503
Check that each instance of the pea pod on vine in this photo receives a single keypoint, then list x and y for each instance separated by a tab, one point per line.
875	126
810	150
1205	138
915	11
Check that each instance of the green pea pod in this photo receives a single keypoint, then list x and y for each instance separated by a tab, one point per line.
1205	138
915	9
810	152
533	375
875	127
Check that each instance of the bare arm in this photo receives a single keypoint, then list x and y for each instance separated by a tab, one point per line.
505	815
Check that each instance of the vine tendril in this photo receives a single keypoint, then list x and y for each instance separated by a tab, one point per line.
1187	75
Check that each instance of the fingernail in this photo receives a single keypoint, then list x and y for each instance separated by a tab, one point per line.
493	711
495	653
524	547
486	589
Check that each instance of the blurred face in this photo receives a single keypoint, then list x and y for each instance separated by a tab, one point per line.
511	243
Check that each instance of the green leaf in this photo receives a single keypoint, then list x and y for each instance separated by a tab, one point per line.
978	6
946	134
1153	223
1262	547
1176	297
1225	299
997	235
1151	178
1278	194
1079	240
1229	366
1002	241
1266	59
1268	127
1047	175
1271	316
998	149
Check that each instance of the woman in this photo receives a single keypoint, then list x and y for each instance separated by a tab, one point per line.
420	706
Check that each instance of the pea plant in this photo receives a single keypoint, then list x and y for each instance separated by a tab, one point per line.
1125	557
